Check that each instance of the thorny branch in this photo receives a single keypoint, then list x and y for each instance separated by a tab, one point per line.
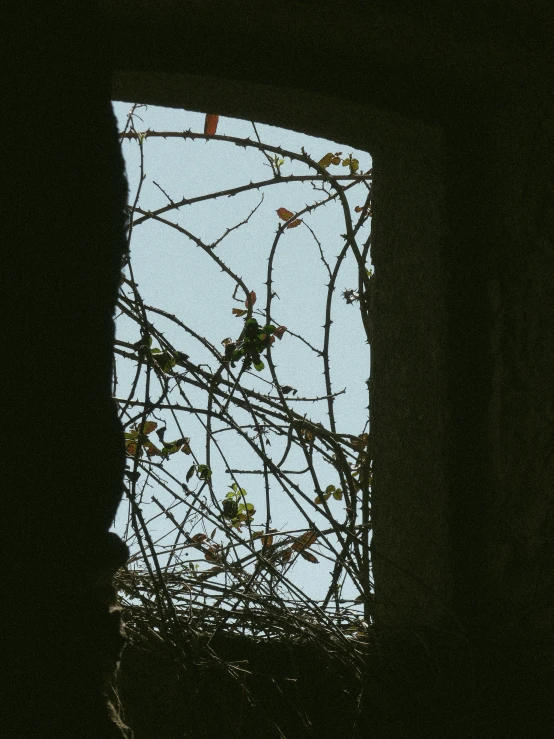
208	556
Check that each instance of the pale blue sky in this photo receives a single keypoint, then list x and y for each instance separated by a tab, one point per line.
176	275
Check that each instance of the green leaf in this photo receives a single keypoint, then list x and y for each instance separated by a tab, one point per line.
165	361
330	489
258	366
203	472
352	163
320	498
171	448
236	491
326	160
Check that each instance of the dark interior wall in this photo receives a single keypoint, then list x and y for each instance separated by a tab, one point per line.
441	96
408	357
520	430
63	236
411	59
454	103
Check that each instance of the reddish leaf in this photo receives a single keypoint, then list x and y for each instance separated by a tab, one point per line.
310	557
148	427
210	124
251	299
150	449
197	538
304	541
284	214
279	331
212	555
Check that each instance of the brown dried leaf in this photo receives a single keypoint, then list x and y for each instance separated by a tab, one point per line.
210	124
304	541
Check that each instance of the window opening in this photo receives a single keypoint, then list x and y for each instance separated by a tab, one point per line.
241	375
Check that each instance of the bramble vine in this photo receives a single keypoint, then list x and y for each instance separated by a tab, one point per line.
221	559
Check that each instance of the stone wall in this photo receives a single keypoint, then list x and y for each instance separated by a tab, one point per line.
454	103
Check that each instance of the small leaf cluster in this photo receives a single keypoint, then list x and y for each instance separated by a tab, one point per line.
161	359
330	158
330	490
236	509
286	215
137	440
255	339
300	546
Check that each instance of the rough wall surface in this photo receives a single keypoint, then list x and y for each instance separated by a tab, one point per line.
62	233
454	103
521	414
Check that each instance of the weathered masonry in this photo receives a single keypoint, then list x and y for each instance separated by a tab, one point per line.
454	102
